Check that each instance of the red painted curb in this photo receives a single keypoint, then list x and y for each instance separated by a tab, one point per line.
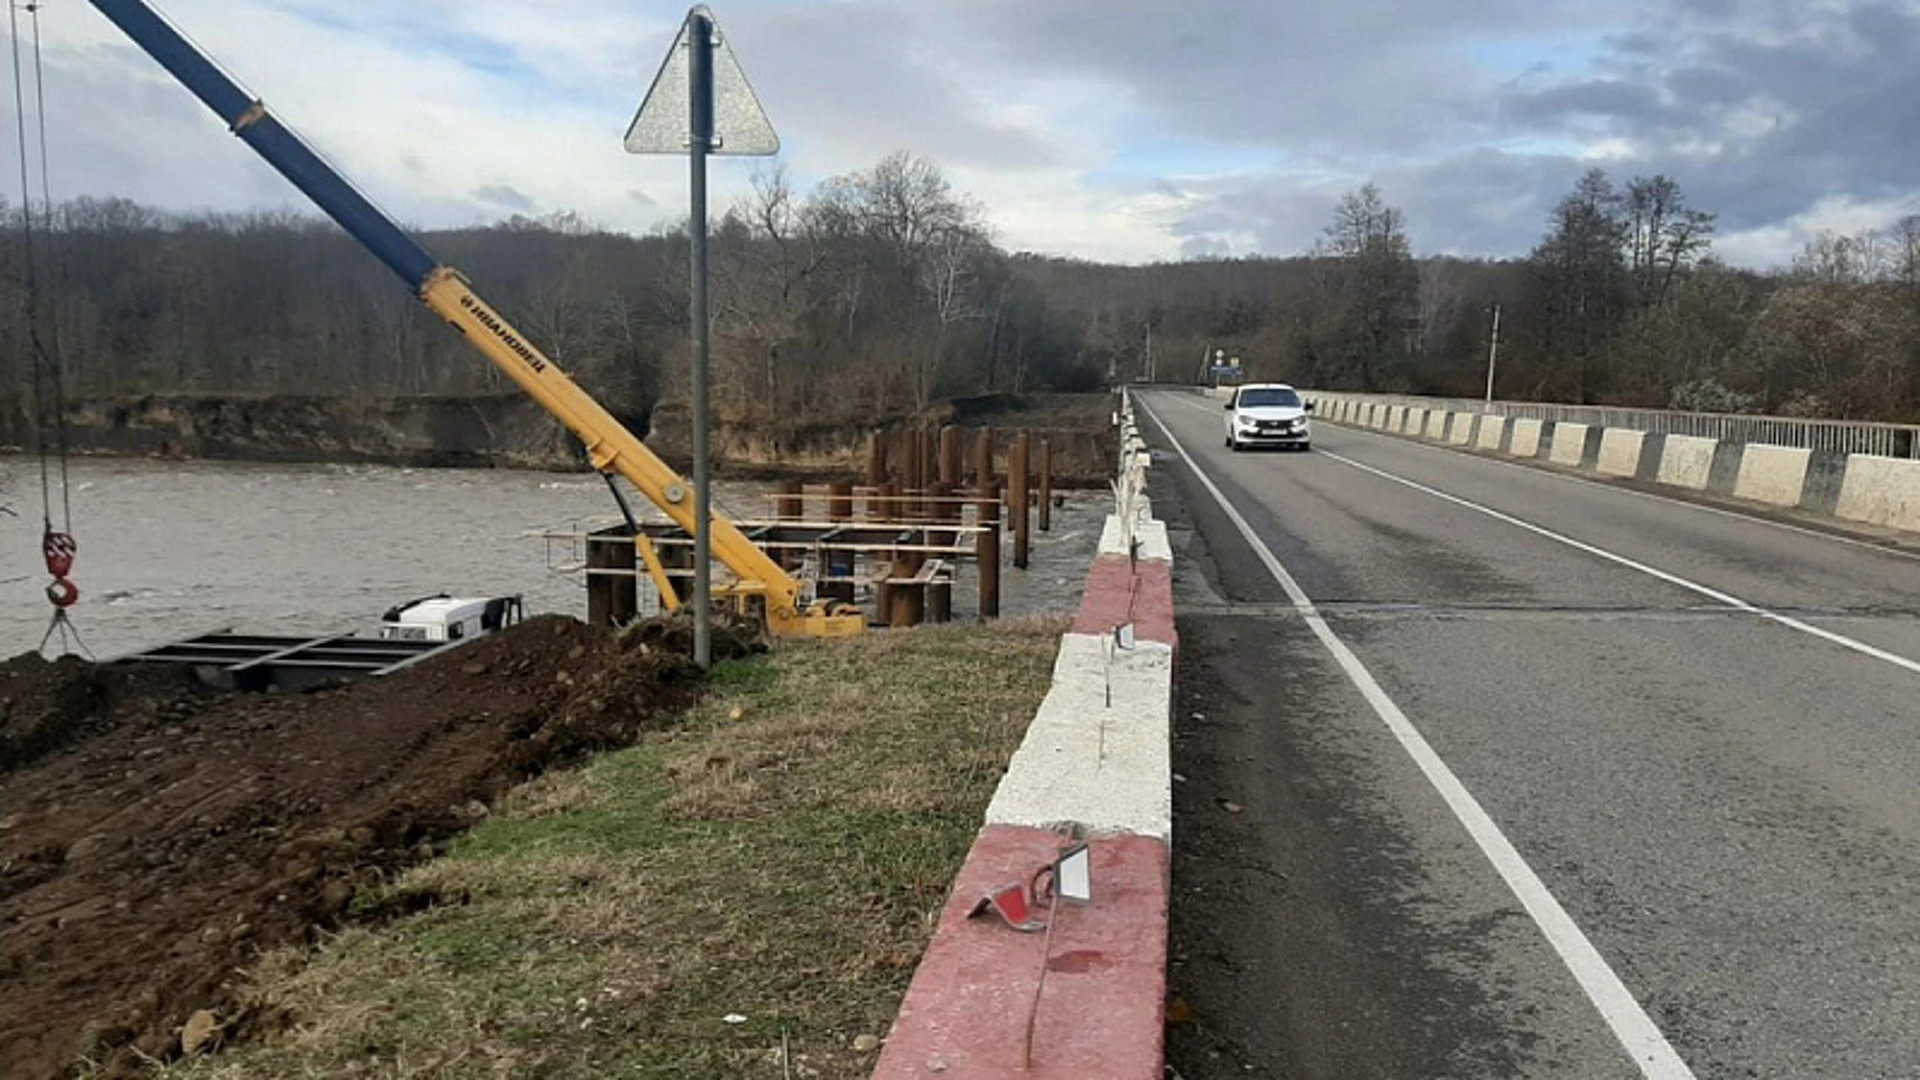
1120	590
1098	1010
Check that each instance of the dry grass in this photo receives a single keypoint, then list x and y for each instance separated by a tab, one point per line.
784	867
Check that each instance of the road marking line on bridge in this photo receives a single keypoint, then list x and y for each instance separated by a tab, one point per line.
1877	547
1638	1034
1727	599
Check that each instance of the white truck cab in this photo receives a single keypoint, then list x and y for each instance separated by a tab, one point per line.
449	618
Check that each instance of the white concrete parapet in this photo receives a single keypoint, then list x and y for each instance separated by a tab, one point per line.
1686	461
1620	451
1569	444
1492	429
1097	752
1526	438
1776	475
1881	491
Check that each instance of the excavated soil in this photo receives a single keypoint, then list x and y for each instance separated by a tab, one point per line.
155	835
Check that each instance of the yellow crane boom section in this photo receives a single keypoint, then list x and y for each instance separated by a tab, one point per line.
611	447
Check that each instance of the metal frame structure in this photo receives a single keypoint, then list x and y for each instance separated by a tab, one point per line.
261	662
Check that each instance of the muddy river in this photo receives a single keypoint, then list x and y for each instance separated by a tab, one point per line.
169	550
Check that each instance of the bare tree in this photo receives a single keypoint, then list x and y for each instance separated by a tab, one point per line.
1664	236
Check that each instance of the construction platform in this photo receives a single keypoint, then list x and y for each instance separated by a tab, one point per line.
261	662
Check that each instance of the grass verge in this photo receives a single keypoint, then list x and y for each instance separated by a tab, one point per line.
765	876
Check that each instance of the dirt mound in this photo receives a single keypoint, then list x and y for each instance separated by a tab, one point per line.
155	836
47	705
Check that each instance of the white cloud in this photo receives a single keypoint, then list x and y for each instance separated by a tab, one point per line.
1062	118
1776	244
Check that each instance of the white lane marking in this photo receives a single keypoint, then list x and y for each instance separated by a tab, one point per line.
1709	592
1637	1032
1585	481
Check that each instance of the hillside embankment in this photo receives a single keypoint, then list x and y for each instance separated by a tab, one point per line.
513	431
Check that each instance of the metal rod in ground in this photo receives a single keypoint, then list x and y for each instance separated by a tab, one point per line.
950	456
599	586
929	462
941	508
791	503
909	601
612	599
700	132
876	457
983	459
1046	485
940	603
910	472
1017	499
836	563
987	550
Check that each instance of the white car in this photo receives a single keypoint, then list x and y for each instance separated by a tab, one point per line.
1268	414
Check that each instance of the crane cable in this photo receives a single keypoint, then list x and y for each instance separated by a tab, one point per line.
58	548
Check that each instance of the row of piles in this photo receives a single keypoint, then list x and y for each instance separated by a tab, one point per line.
917	477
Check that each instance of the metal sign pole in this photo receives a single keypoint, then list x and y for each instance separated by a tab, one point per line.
700	130
719	116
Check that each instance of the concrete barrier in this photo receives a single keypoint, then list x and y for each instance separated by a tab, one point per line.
1881	491
1820	492
1493	433
1620	451
1569	444
1094	764
1776	475
1686	461
1461	433
1526	438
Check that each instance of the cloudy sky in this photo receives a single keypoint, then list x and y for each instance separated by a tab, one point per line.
1128	130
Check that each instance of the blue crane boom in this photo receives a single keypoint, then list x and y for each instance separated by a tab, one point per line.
281	148
610	446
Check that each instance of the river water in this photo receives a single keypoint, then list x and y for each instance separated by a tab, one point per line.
169	550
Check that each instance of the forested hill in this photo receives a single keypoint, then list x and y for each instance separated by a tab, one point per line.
882	289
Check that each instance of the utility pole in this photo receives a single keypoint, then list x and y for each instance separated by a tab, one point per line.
1493	352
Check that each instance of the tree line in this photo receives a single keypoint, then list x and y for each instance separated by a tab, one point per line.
880	289
1621	302
883	290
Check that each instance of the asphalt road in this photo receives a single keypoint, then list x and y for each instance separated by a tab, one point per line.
1520	775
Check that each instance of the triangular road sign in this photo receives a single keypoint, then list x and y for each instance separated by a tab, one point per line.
740	125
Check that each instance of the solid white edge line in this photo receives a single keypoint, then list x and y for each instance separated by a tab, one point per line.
1637	1032
1726	599
1709	592
1654	496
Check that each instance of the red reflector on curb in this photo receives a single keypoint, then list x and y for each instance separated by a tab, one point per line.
1010	903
